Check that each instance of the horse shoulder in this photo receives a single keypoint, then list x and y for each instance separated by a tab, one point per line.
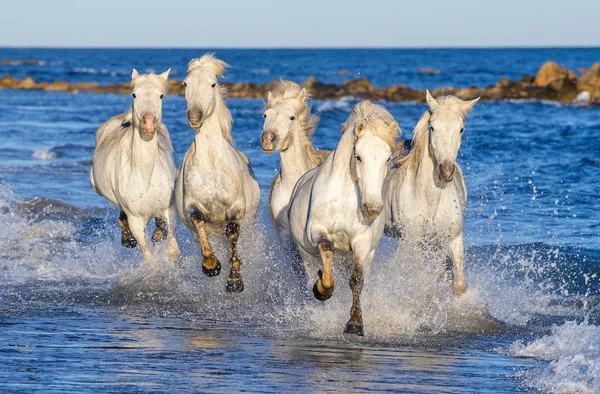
116	122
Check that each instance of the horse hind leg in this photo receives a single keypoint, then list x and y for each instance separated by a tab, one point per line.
323	287
235	284
160	232
127	238
210	265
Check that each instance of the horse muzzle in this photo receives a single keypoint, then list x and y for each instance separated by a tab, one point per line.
268	141
446	171
194	118
371	210
149	124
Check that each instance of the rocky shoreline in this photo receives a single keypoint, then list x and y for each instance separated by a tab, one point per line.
552	82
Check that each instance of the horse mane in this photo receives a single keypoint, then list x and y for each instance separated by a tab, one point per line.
420	139
208	62
286	92
153	78
376	118
216	66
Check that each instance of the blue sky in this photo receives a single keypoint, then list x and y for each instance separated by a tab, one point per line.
302	23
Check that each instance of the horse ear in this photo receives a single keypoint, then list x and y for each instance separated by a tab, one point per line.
165	75
302	95
394	126
269	96
469	104
431	101
134	74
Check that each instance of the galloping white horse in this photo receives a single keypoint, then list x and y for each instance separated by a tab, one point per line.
425	193
134	168
288	128
335	209
216	190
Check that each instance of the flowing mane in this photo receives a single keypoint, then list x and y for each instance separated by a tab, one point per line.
420	139
210	63
151	78
286	92
377	119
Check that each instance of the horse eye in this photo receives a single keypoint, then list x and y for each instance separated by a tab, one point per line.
184	83
133	95
292	117
432	128
389	158
213	85
357	157
265	116
461	130
161	96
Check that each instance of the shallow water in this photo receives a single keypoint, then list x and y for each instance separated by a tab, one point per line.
76	314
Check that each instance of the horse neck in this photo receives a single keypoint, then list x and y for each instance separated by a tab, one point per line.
428	186
342	155
295	161
143	153
216	128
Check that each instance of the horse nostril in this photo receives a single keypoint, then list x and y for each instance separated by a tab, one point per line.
446	171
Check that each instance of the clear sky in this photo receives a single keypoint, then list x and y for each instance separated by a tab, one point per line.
300	23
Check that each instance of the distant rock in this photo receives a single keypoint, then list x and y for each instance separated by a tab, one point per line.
343	71
58	86
27	83
361	87
551	72
590	82
429	71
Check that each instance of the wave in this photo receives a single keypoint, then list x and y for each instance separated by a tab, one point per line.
344	104
44	154
570	358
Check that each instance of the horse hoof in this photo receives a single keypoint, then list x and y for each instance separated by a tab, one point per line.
319	296
234	285
128	242
210	272
354	328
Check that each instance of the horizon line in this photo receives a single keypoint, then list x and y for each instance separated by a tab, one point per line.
311	47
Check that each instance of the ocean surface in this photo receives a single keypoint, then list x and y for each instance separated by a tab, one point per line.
78	315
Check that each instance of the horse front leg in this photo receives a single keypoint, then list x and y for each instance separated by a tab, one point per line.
127	238
160	232
138	229
357	278
235	284
323	287
210	265
457	249
173	246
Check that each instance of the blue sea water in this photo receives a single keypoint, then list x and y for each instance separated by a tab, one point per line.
77	315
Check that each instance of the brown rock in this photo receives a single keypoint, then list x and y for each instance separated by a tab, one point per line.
550	72
27	83
343	71
85	87
429	71
591	76
9	82
443	91
58	86
401	93
357	87
528	79
5	61
590	82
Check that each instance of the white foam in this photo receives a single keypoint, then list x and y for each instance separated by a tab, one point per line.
44	154
343	104
570	359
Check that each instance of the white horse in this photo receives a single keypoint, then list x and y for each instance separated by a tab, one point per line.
134	167
335	209
288	128
216	190
425	192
